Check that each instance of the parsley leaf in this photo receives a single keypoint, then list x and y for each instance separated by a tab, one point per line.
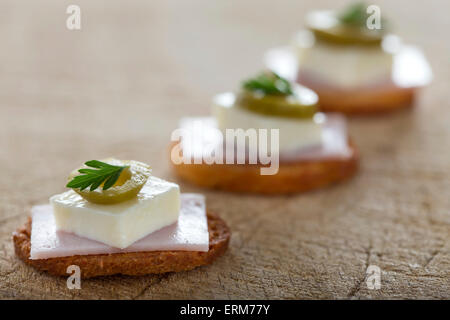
104	173
355	14
269	82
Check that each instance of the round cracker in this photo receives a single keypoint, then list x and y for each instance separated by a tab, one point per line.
292	177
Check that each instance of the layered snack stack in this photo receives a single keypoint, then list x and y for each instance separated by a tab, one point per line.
351	61
313	148
118	219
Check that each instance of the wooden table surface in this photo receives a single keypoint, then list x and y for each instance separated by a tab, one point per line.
118	86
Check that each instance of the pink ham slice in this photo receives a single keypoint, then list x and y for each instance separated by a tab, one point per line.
189	233
334	143
203	134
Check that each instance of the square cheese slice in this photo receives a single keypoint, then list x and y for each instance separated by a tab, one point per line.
119	225
189	233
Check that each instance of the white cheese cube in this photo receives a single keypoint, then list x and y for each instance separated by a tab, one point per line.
119	225
346	66
294	133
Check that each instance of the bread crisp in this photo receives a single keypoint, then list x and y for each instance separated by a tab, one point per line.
130	263
362	101
292	177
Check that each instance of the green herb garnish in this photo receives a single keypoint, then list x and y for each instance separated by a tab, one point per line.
104	172
355	14
269	83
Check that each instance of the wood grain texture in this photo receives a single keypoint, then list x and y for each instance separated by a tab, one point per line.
119	86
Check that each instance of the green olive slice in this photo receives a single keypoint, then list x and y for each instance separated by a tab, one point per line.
127	186
301	104
326	27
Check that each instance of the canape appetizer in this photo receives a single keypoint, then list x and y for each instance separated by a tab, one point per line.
354	69
312	149
119	219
